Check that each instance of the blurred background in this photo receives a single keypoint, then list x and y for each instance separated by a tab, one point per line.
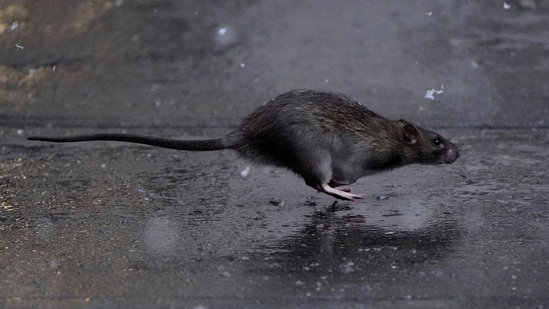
151	63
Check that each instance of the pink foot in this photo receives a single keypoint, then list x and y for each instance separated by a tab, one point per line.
340	194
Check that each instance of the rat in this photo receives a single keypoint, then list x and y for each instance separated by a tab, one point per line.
327	138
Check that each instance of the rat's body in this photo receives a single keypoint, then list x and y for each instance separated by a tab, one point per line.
326	138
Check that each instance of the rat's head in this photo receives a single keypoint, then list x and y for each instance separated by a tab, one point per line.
426	147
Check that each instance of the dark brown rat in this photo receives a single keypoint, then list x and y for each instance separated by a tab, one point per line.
327	138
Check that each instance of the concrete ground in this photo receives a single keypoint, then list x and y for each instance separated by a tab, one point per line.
112	225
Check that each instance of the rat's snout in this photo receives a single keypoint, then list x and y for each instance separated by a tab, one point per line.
451	155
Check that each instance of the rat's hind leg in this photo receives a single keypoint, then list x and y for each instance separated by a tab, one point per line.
340	194
318	177
335	183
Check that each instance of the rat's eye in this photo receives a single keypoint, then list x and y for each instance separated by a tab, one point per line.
437	141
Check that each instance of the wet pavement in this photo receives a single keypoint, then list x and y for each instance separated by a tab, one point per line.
111	225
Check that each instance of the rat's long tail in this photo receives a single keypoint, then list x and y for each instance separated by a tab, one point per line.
192	145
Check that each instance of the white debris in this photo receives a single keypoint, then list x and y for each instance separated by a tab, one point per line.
103	165
506	6
14	25
19	46
429	13
347	267
244	173
225	36
242	65
430	93
226	274
19	132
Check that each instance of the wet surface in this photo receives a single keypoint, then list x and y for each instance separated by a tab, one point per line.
109	225
471	233
207	64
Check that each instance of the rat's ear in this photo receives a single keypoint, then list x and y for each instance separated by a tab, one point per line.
411	134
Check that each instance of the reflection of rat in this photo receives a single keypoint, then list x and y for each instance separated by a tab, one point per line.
326	138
